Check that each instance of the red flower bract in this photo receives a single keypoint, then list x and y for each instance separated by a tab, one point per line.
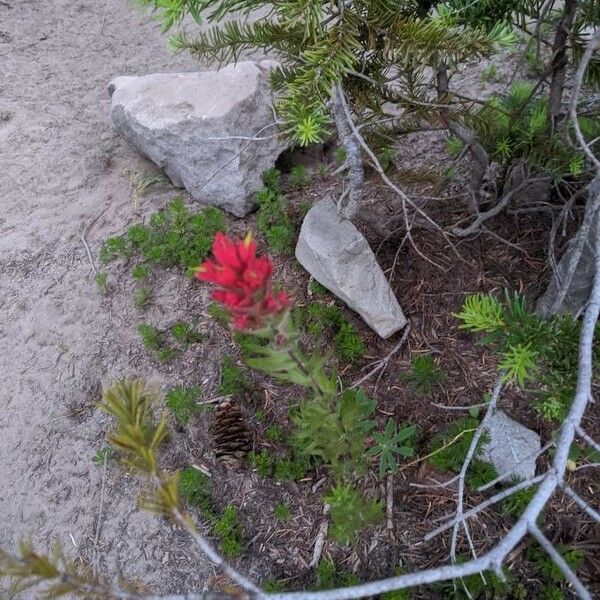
243	281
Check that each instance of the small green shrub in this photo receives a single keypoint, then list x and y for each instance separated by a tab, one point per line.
101	456
350	513
316	288
515	504
423	375
195	489
282	512
186	334
292	468
340	155
319	320
101	280
529	347
151	336
234	379
182	402
262	461
140	272
274	433
335	430
173	237
113	248
230	533
328	576
454	147
299	177
142	296
547	569
272	219
348	343
154	341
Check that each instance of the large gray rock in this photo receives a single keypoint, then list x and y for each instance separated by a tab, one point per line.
194	125
512	448
337	255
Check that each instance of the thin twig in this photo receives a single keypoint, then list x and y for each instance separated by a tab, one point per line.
382	364
320	539
581	502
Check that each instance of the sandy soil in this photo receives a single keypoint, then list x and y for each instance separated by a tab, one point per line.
64	175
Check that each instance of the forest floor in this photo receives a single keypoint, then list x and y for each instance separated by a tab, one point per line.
65	188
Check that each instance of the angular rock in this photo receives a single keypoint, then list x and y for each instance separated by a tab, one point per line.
512	448
578	291
337	255
187	123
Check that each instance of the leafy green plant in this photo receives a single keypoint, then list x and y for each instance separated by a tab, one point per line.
292	468
113	248
140	272
424	374
299	177
328	576
391	443
350	513
274	433
547	568
282	512
230	533
173	237
263	462
529	346
142	296
186	334
272	219
234	379
319	319
481	312
516	503
454	147
517	126
182	402
154	341
152	337
334	429
316	288
101	279
348	343
101	456
195	489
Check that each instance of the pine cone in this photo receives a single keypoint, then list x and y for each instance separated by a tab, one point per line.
232	438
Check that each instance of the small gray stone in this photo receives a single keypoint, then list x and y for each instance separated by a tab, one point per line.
338	256
512	448
193	126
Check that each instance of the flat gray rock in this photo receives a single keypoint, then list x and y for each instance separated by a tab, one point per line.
337	255
512	447
193	126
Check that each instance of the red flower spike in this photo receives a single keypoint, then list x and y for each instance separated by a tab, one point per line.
243	282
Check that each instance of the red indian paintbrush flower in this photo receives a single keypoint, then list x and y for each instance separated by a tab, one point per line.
243	281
